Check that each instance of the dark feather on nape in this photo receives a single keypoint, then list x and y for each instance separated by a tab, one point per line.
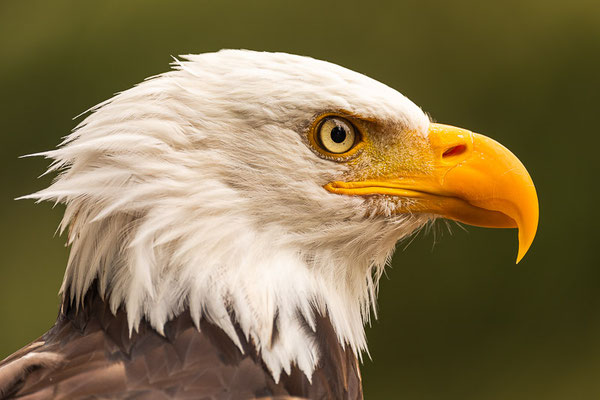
274	330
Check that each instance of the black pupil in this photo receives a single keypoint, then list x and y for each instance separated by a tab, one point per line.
338	134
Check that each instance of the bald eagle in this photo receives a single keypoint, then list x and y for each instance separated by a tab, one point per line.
229	220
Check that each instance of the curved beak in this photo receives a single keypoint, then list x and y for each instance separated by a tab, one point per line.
472	179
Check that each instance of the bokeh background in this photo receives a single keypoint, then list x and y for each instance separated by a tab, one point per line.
458	319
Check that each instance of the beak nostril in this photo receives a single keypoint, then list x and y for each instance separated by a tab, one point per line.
454	151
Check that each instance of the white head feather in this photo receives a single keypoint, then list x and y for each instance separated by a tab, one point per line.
198	189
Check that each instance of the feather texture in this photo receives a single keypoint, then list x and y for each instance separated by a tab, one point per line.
197	190
98	359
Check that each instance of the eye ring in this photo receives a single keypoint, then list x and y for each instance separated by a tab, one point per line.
335	136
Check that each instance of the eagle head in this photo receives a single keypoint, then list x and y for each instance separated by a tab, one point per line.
262	190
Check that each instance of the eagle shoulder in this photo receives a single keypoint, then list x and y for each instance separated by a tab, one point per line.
89	352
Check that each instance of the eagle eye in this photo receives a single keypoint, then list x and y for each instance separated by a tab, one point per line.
336	135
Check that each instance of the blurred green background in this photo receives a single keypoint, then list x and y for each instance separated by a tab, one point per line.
458	319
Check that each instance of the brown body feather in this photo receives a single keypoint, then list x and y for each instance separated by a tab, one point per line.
94	357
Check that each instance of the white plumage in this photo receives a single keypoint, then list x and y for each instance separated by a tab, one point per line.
197	188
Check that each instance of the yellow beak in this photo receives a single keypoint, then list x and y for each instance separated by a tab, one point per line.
474	180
